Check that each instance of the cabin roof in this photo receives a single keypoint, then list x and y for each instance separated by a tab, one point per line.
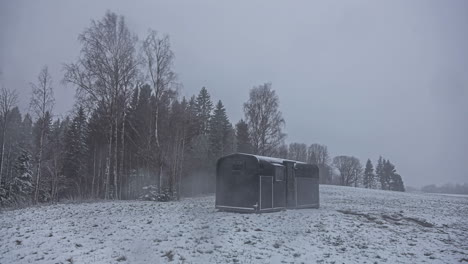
268	159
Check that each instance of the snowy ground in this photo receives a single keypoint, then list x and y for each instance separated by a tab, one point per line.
352	226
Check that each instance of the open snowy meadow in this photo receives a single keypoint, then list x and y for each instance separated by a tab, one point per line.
352	226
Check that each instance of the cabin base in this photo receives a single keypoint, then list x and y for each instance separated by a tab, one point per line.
235	209
247	210
315	206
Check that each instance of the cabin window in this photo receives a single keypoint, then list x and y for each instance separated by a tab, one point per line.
279	173
238	165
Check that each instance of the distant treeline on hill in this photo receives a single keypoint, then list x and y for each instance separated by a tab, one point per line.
446	188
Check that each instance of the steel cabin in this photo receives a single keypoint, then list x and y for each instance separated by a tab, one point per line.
251	183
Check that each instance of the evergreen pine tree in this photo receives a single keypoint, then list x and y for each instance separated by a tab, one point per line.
204	107
388	171
368	177
192	119
398	183
394	180
11	146
141	125
243	138
22	185
230	141
26	130
135	97
54	157
75	152
96	142
219	131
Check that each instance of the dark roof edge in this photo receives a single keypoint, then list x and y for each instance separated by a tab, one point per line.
265	158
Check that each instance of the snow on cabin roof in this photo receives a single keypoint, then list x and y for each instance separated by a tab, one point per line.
271	159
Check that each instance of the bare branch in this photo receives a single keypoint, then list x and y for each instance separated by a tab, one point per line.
42	100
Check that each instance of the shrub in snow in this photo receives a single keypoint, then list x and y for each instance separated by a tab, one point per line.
151	193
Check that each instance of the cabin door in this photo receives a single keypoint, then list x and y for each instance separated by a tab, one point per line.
266	192
290	185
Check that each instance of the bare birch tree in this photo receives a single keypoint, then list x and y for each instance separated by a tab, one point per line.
264	119
318	154
350	169
297	151
106	69
159	59
8	100
42	103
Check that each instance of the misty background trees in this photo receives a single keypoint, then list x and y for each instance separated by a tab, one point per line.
131	135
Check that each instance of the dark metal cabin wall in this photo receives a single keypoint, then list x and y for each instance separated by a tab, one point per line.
237	182
307	186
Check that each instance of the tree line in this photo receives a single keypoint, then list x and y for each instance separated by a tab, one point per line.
344	170
131	135
447	188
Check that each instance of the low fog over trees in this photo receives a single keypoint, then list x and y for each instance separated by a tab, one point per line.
131	135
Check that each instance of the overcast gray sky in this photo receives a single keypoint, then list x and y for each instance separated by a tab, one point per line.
366	78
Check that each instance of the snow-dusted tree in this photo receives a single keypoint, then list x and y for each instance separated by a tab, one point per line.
350	169
21	188
264	119
297	151
42	103
242	137
16	143
368	177
8	100
12	147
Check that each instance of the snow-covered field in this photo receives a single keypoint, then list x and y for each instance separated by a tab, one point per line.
352	226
